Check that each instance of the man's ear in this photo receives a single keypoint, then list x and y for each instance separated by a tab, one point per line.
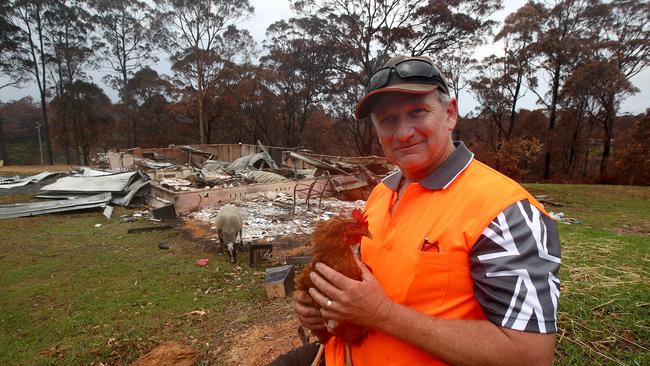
452	113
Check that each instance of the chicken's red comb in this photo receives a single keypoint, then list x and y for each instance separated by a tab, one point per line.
358	214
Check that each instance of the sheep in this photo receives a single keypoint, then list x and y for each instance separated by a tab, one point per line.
229	224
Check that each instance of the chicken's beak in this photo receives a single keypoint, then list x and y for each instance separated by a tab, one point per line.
367	234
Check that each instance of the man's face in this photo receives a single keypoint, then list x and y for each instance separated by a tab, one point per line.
414	131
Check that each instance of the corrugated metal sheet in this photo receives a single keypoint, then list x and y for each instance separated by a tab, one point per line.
41	208
59	196
260	176
24	181
10	180
317	163
246	161
87	172
267	156
133	190
106	183
153	164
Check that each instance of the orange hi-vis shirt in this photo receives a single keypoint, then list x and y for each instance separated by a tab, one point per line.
435	282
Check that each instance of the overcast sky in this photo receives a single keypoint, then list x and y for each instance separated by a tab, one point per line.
269	11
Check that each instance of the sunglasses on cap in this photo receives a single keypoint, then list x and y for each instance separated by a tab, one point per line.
419	71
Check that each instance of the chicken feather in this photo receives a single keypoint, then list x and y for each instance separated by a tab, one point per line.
332	243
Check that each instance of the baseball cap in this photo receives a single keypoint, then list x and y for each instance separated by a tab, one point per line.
402	74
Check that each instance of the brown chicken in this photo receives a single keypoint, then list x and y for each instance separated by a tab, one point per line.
332	242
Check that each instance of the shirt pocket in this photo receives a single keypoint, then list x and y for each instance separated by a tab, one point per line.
427	287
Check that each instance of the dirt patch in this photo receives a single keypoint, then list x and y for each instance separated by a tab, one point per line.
169	353
199	229
642	229
261	341
262	333
197	236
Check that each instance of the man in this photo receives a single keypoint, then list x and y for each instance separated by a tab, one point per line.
463	260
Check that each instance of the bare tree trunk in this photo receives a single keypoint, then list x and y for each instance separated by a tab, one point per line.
66	142
43	89
200	97
607	144
573	149
608	126
513	108
586	165
585	169
65	121
86	150
199	112
77	141
551	125
130	122
46	130
497	163
3	146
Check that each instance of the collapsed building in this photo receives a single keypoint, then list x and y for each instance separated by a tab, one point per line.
187	178
191	177
280	191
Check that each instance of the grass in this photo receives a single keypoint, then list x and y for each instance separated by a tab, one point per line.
74	294
604	313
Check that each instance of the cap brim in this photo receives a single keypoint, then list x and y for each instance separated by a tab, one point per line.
364	107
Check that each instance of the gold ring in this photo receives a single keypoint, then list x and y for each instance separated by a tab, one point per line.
328	304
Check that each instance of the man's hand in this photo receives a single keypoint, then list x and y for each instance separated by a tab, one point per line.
458	342
308	315
360	302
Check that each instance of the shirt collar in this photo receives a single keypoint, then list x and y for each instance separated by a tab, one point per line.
441	177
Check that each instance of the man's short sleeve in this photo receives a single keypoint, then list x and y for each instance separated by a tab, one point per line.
514	265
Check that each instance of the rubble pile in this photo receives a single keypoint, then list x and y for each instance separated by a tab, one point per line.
188	178
177	184
270	219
